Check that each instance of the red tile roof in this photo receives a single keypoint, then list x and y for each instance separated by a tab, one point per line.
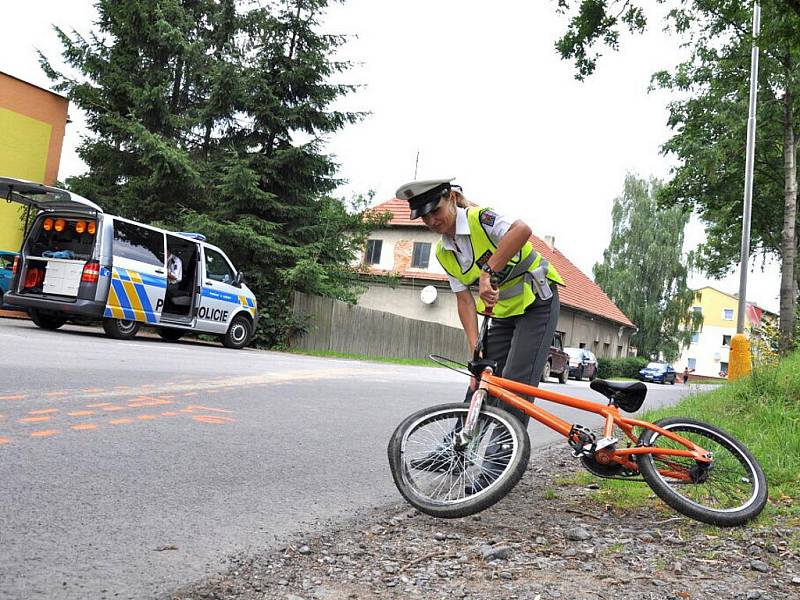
580	292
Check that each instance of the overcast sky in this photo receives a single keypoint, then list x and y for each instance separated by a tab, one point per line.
478	91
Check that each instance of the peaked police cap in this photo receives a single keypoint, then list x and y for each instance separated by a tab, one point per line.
423	195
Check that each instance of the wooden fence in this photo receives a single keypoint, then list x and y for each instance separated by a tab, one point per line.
336	326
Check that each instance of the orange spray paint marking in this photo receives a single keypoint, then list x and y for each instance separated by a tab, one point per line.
44	411
149	402
169	414
33	419
121	421
113	408
190	394
45	433
81	413
4	441
53	394
147	417
94	390
16	397
213	419
84	426
101	405
195	407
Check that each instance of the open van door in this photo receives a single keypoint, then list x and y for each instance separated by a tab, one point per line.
43	197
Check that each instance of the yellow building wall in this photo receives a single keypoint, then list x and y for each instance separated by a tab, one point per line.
32	122
23	152
714	303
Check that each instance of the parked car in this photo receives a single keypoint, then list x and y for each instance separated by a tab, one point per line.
6	274
557	364
582	363
658	372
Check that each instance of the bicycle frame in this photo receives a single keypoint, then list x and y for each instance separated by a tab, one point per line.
504	389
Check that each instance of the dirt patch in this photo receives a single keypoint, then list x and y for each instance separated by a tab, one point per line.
544	540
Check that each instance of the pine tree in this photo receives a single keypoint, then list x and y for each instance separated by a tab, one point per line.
644	271
211	115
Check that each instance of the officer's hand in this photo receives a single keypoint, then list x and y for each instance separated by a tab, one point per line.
488	292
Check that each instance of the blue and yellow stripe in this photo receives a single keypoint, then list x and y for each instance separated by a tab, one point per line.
127	295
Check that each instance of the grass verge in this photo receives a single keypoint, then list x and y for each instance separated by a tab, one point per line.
762	411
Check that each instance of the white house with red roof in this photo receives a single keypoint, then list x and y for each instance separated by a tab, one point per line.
399	262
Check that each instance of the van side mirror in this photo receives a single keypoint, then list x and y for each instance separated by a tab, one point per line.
239	279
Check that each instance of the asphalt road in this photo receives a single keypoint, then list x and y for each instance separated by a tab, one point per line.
128	469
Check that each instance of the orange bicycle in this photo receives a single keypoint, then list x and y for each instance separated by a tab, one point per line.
454	460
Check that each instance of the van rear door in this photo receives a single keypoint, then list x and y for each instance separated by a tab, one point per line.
44	197
138	275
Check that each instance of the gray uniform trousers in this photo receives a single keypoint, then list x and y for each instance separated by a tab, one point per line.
520	345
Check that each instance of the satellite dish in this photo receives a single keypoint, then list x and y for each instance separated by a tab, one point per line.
428	294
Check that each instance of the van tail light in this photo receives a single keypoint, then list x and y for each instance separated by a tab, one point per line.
91	227
91	272
16	265
34	277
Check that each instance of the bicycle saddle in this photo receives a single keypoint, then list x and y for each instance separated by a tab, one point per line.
629	396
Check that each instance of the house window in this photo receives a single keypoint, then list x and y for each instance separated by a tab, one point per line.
619	351
692	363
421	255
582	345
373	254
697	309
726	340
723	369
727	314
696	337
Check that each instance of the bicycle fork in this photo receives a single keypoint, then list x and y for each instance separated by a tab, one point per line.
475	405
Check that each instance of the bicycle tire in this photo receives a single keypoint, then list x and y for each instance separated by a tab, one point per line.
493	425
702	501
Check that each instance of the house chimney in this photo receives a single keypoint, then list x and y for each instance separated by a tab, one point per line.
550	241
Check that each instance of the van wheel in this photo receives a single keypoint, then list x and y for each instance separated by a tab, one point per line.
46	319
171	335
238	333
564	376
121	329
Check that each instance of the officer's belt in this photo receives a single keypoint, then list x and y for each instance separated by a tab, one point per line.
517	289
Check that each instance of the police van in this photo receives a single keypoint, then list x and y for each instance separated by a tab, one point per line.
77	262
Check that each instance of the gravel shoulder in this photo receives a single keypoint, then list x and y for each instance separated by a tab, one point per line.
544	540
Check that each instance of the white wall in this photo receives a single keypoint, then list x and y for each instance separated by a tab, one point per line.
708	351
397	248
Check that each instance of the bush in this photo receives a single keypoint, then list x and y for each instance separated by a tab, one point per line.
620	367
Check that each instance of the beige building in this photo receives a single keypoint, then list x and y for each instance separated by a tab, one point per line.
403	277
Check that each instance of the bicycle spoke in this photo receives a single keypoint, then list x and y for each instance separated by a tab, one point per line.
444	472
727	484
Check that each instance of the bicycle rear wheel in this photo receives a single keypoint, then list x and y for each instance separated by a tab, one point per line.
442	477
729	491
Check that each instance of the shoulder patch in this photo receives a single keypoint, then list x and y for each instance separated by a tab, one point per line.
488	218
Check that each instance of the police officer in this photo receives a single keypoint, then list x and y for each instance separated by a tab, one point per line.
476	245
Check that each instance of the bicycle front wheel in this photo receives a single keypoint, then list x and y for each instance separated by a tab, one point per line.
443	476
727	492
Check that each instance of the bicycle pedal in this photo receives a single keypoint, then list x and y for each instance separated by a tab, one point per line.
582	440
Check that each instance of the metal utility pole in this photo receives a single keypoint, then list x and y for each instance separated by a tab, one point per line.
739	362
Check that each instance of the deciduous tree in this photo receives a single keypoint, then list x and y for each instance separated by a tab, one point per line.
644	270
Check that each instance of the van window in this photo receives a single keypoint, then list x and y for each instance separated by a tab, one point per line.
138	243
217	268
67	236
